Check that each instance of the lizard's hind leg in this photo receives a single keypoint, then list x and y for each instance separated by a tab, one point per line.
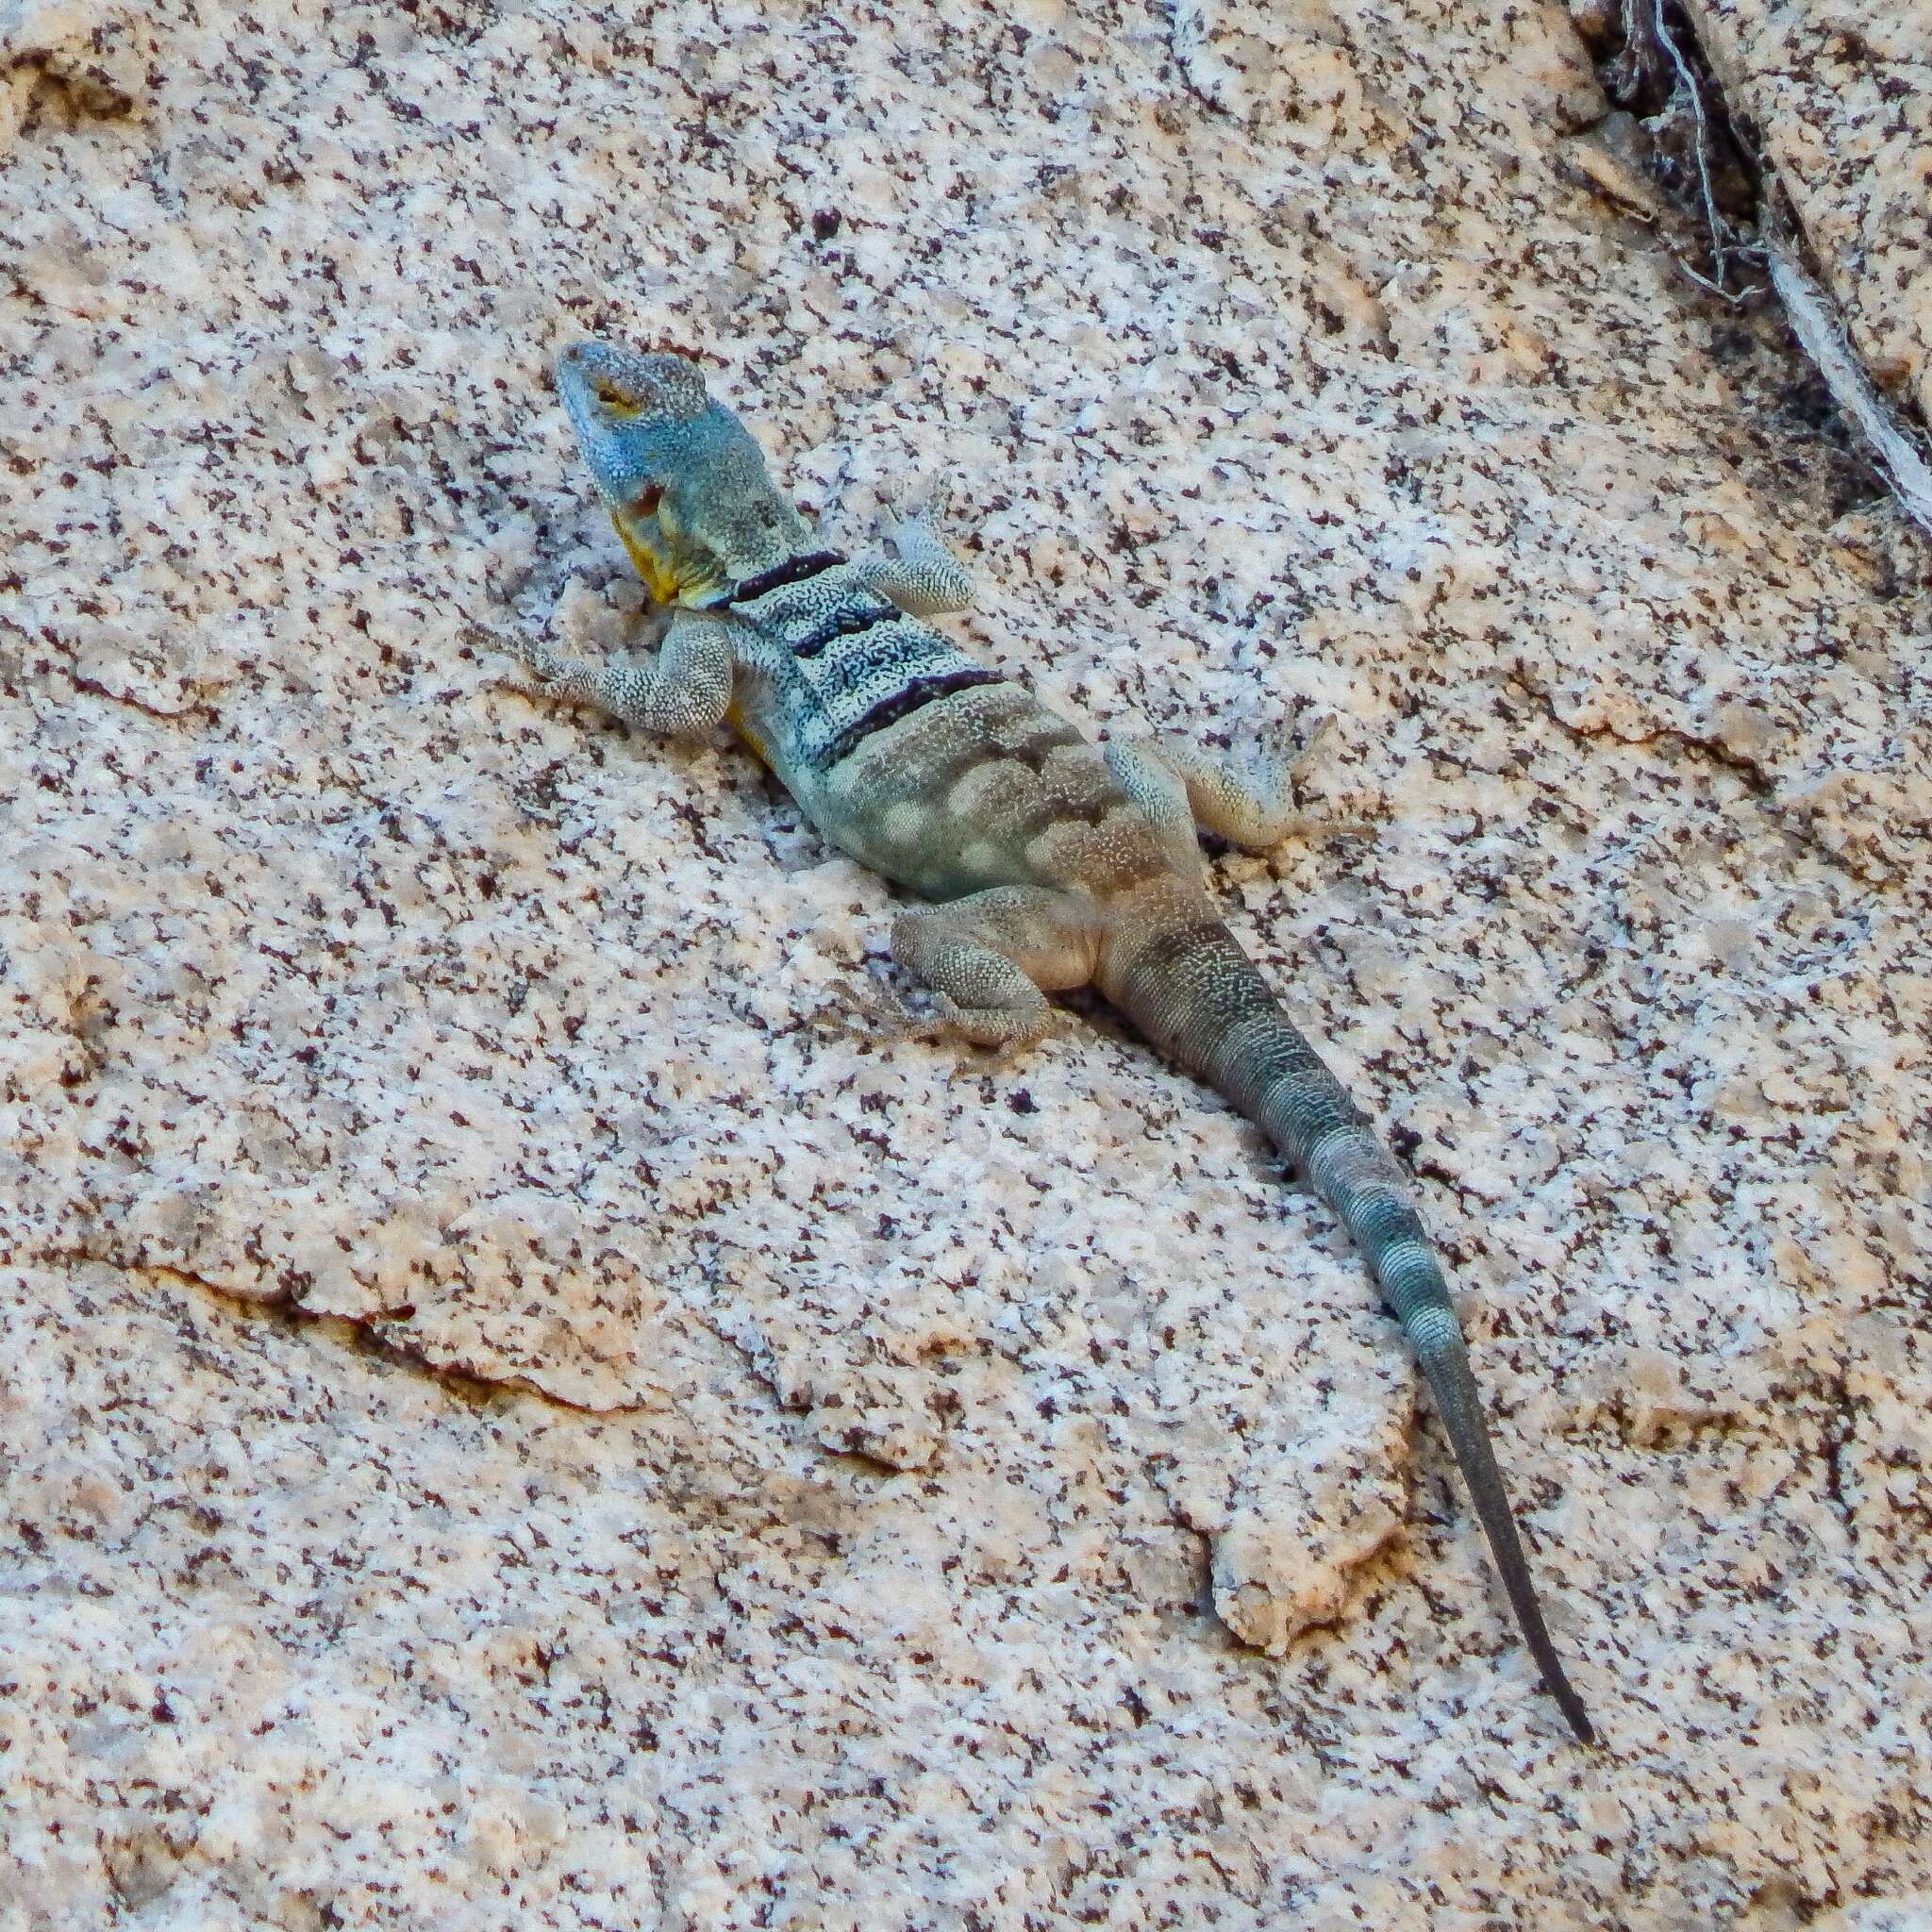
1249	801
994	956
1153	786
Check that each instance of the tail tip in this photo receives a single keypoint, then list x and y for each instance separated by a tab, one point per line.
1572	1706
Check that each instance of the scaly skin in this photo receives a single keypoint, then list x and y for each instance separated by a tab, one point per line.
1046	864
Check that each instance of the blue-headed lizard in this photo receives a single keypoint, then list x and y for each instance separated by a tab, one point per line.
1045	863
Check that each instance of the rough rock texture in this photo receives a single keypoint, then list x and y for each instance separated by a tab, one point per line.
1838	100
515	1416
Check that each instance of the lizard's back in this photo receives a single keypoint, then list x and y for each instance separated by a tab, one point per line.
934	771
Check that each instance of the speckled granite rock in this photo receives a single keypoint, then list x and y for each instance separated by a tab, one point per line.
513	1417
1837	99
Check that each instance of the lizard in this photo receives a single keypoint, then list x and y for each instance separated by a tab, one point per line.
1045	862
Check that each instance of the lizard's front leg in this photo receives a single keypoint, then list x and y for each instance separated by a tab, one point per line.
686	693
925	578
993	955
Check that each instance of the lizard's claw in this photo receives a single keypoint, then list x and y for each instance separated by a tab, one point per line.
1283	769
1322	730
1271	767
869	1019
995	1030
1252	798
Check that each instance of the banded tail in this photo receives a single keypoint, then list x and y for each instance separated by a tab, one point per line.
1183	980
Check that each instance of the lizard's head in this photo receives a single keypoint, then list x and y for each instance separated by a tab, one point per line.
684	482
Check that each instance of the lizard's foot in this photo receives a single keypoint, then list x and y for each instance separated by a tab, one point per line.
991	959
686	693
922	577
919	520
1250	799
532	653
872	1018
1278	775
996	1030
877	1019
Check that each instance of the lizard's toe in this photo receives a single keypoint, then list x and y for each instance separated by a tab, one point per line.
920	514
534	654
879	1019
996	1030
871	1018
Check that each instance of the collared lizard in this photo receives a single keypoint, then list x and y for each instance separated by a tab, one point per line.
1045	862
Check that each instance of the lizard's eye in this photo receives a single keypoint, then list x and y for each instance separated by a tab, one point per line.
644	504
614	399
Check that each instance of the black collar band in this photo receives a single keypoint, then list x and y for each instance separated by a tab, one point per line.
794	569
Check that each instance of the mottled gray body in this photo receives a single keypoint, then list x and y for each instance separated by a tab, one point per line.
1047	863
